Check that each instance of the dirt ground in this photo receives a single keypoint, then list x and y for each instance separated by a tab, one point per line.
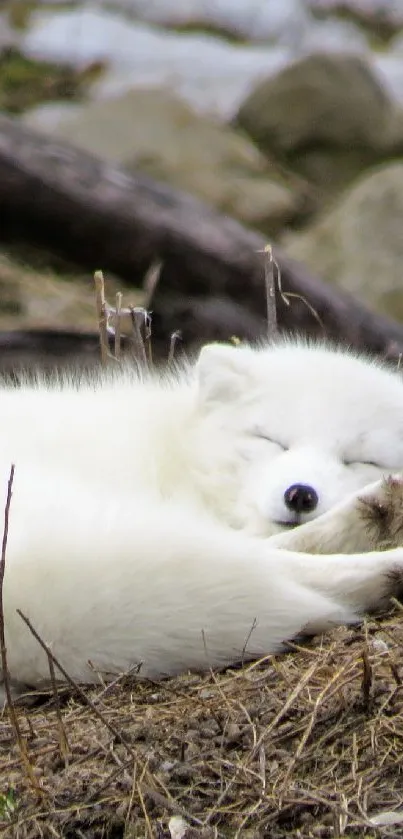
305	745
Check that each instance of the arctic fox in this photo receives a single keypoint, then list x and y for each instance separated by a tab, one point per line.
153	517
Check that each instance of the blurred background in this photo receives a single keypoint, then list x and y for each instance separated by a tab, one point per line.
285	115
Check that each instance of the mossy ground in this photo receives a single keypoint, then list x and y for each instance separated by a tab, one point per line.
25	83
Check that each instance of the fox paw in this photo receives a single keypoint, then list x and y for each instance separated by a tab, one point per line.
381	508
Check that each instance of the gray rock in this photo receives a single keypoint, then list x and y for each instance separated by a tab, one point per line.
327	117
155	132
358	244
380	15
49	115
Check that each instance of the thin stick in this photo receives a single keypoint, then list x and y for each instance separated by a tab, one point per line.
4	665
150	832
286	296
147	338
6	676
139	348
102	316
118	331
311	721
283	710
94	794
106	688
272	275
81	693
157	797
151	281
175	337
63	741
269	265
248	637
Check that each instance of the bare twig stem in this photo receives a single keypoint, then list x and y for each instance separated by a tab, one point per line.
79	691
4	665
118	325
270	265
63	741
147	338
151	281
175	337
138	316
102	316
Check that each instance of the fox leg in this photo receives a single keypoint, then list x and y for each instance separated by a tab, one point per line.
371	519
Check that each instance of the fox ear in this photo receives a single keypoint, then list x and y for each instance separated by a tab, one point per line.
222	372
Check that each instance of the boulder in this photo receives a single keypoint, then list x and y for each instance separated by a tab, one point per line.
155	132
358	244
326	117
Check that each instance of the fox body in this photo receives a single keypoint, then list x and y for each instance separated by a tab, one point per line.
175	521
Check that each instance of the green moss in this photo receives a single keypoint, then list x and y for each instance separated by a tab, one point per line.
25	82
204	28
379	28
8	805
19	11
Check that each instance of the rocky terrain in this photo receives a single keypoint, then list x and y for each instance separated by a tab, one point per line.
286	116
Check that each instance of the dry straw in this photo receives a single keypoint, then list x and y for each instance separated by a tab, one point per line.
306	745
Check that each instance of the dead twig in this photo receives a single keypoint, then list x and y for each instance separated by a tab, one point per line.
270	265
6	676
78	690
175	337
147	338
138	317
63	741
118	324
102	316
151	281
287	296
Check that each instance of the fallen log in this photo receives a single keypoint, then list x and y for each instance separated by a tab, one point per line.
25	350
100	216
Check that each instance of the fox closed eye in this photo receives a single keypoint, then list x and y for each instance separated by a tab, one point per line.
347	462
261	435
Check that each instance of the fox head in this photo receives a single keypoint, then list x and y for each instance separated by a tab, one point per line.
296	427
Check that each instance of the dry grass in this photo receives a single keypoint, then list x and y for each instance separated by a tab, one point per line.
308	745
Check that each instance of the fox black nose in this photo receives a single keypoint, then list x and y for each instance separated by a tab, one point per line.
301	498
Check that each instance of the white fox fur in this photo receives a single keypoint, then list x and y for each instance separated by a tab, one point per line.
148	523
